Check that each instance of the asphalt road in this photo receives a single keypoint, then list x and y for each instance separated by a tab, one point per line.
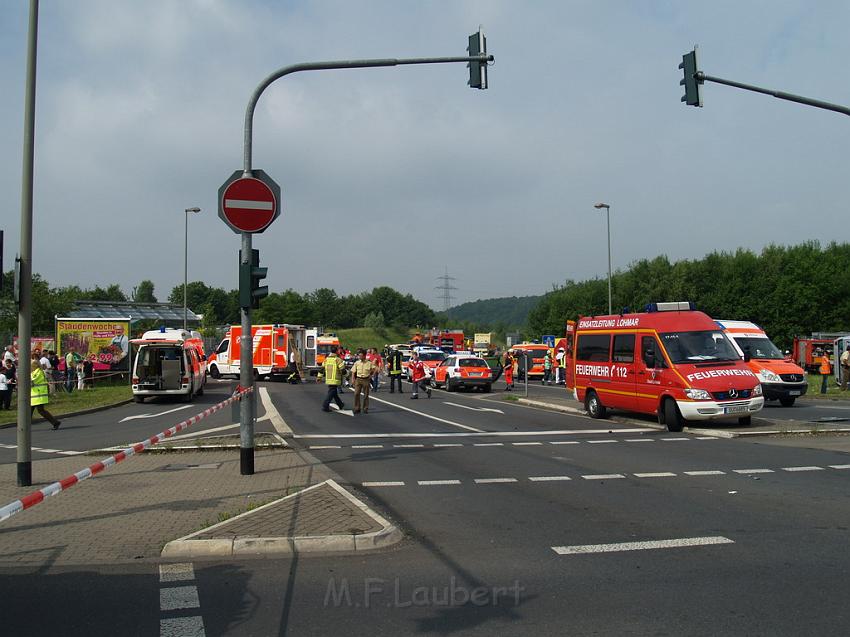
494	504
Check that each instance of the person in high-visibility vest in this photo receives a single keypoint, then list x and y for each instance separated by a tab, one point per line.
394	370
825	370
38	392
334	370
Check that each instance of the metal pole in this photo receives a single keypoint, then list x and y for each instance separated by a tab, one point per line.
185	267
525	353
608	217
24	452
246	379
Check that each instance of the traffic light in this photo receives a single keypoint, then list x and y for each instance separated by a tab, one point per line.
250	275
693	94
477	70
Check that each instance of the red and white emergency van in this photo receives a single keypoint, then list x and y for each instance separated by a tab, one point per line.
780	379
672	361
536	353
169	362
273	349
325	344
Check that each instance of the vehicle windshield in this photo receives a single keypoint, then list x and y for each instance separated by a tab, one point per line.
325	349
472	362
696	347
432	356
759	347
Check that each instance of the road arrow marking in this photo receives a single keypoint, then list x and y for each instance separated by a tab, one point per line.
344	412
498	411
162	413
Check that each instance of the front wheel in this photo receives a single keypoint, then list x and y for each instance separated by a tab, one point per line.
787	402
594	406
672	416
449	386
214	372
745	421
139	399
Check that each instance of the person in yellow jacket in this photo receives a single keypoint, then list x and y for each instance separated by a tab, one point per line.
825	370
334	370
38	392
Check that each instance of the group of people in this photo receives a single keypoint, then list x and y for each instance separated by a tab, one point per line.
40	382
553	368
826	369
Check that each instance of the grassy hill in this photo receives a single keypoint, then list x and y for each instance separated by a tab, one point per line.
369	337
511	311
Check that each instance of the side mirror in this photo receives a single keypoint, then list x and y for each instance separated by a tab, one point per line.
747	356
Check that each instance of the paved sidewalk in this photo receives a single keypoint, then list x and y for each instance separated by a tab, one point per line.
130	511
725	429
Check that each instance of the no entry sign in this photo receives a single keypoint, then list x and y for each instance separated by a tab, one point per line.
249	204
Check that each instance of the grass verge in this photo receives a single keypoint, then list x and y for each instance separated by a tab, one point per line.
64	403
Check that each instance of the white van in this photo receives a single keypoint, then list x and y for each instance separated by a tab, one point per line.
169	363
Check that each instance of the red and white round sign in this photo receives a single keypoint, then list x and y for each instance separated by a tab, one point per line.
249	204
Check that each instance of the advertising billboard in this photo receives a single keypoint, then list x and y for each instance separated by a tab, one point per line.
106	341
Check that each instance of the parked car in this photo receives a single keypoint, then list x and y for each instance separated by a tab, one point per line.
463	371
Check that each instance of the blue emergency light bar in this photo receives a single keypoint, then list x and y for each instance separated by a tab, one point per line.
673	306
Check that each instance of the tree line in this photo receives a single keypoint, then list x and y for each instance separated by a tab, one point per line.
382	307
787	290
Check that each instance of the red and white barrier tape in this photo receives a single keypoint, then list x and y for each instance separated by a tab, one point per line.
52	489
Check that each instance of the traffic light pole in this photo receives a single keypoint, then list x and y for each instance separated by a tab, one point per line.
790	97
246	376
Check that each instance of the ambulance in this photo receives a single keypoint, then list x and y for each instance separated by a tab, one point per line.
671	361
325	344
272	347
780	379
536	354
169	362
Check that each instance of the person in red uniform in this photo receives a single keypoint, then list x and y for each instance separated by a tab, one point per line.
509	371
416	369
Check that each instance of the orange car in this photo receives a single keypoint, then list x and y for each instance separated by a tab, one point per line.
463	371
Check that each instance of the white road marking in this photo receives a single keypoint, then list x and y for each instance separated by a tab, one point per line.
705	473
161	413
323	447
803	469
493	480
548	478
488	444
367	446
421	413
498	411
383	484
272	413
564	442
640	546
72	453
477	433
526	444
839	466
408	446
674	439
176	572
707	438
178	597
344	412
660	474
181	627
45	450
449	444
430	483
603	476
753	470
639	440
598	442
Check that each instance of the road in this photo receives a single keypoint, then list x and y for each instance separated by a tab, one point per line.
557	524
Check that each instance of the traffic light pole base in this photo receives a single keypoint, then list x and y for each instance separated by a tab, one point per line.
25	474
246	461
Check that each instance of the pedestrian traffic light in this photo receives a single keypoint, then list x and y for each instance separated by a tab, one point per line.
693	94
250	275
477	70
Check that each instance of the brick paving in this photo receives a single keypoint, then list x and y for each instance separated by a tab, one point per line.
130	511
320	511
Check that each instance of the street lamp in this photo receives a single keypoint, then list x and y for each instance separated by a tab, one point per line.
599	206
186	265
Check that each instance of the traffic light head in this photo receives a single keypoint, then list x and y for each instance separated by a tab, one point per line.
250	275
690	68
477	70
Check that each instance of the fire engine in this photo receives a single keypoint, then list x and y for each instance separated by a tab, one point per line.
273	346
804	348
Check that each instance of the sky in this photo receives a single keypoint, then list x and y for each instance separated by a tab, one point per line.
390	176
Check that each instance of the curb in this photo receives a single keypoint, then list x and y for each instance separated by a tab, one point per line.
280	444
699	431
71	414
187	547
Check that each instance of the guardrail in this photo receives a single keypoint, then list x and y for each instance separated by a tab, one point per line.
35	497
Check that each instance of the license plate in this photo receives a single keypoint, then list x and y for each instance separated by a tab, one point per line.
475	373
735	409
794	393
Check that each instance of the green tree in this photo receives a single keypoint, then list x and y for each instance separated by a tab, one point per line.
143	293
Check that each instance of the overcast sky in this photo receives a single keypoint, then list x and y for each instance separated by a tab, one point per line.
390	175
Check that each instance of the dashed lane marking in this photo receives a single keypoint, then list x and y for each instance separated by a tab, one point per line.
598	442
565	442
705	473
368	446
383	484
448	444
660	474
639	440
583	549
487	444
493	480
603	476
803	468
753	470
839	466
324	447
548	478
476	433
408	446
433	483
526	444
674	439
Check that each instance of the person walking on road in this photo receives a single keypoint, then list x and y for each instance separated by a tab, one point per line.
845	368
362	373
394	370
418	375
825	370
334	371
38	393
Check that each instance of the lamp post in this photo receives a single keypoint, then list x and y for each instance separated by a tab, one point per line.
599	206
186	265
